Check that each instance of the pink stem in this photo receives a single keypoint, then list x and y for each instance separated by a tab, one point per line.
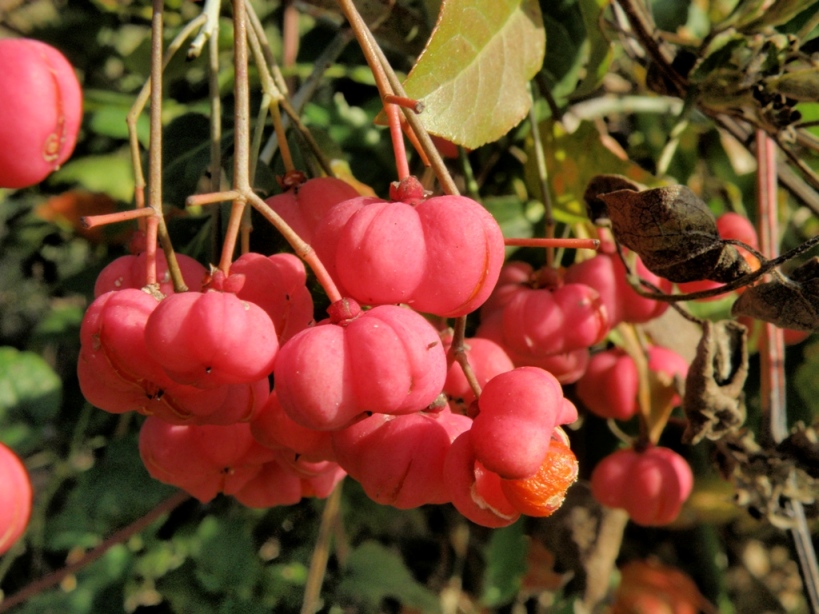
92	221
397	135
556	243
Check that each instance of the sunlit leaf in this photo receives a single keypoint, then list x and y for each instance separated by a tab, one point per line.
572	159
111	174
472	75
515	217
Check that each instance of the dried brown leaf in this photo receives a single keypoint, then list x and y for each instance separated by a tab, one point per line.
675	234
713	400
788	303
603	184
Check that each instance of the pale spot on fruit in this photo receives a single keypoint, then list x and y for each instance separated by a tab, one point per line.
51	147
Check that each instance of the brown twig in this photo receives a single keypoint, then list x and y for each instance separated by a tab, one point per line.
457	352
119	537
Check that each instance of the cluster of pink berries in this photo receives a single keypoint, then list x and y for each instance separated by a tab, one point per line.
374	392
367	392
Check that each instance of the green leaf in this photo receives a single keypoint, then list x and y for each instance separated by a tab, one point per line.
375	572
807	384
600	49
111	174
61	322
782	11
572	159
186	155
515	217
115	491
226	560
565	51
505	565
473	72
28	385
108	111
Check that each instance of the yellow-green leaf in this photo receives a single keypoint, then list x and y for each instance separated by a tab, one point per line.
572	159
473	72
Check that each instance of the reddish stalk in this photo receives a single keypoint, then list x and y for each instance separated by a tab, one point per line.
151	229
416	144
211	198
416	106
119	537
93	221
302	249
772	364
382	82
554	243
436	162
398	147
139	105
772	346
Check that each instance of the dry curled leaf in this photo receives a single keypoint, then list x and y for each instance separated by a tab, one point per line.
603	184
765	479
713	400
675	234
788	303
803	446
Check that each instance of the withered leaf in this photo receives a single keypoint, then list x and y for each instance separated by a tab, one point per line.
603	184
765	479
802	445
793	303
675	234
713	400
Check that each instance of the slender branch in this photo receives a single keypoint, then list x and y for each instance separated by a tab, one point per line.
300	247
210	26
644	28
139	105
93	221
554	243
241	140
215	140
321	552
600	561
737	283
543	178
434	156
385	89
457	351
119	537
